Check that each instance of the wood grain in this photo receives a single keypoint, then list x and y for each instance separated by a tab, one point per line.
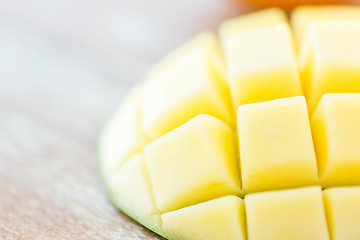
64	66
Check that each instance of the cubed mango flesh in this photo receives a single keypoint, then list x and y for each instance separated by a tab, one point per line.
296	214
329	61
219	219
336	132
132	191
190	84
343	212
176	164
262	65
253	137
276	148
252	21
122	136
302	16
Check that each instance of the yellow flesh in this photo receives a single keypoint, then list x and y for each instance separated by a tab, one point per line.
178	175
219	219
343	212
262	65
131	190
257	20
338	72
303	16
336	131
276	148
122	135
295	214
216	123
184	88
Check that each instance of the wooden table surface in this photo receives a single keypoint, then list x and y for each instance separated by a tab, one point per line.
64	66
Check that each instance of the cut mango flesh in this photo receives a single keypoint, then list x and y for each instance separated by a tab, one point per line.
302	16
219	219
189	85
329	60
262	65
276	148
343	212
294	214
132	191
256	137
122	135
260	19
204	140
336	131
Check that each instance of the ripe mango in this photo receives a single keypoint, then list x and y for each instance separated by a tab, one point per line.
253	135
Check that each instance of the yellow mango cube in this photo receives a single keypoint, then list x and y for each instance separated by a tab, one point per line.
189	83
262	65
296	214
276	148
130	189
252	21
343	212
218	219
329	59
193	163
336	132
206	40
302	16
122	135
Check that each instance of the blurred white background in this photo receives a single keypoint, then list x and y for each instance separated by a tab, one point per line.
120	36
63	58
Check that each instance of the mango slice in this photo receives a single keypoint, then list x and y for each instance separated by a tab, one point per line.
276	148
343	212
218	219
260	19
178	159
336	132
253	137
122	136
262	65
131	190
338	72
189	85
295	214
302	16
